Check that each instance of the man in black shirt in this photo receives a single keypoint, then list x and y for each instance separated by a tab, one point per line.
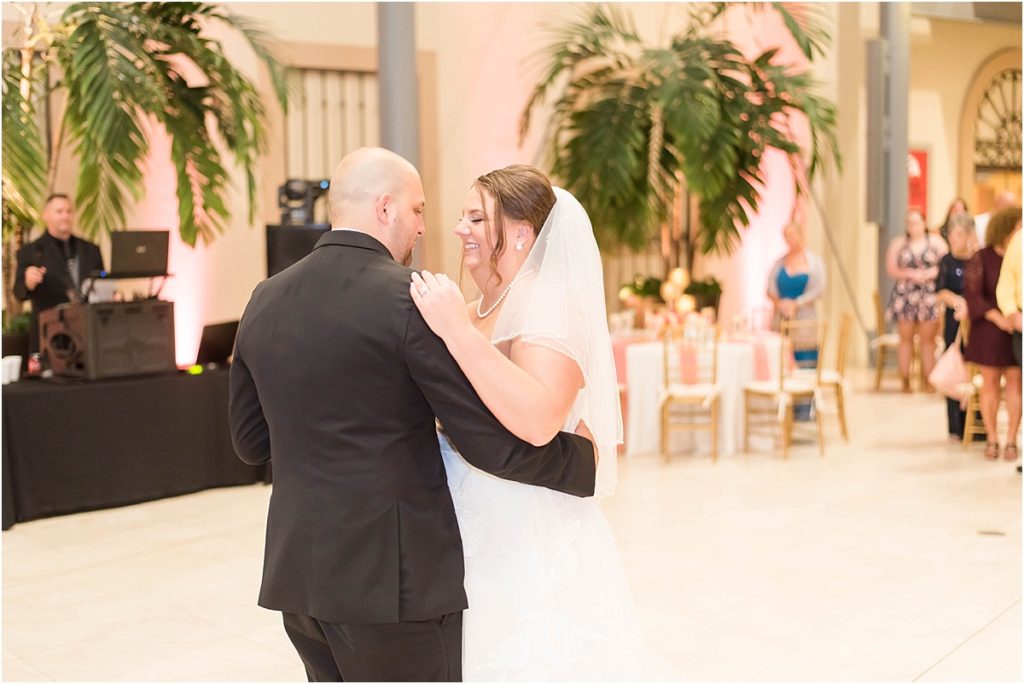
51	269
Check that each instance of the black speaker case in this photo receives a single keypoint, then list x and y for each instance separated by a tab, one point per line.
288	244
109	339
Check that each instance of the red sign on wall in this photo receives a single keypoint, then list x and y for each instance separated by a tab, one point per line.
917	179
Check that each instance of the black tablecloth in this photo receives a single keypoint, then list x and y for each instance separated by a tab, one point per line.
77	446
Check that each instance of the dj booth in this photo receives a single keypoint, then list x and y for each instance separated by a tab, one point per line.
117	423
72	446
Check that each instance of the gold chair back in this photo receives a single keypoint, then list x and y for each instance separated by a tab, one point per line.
691	341
842	342
802	337
879	313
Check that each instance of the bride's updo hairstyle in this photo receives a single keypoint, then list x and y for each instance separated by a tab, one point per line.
521	193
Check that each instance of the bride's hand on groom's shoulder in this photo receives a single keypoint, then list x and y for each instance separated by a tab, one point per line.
440	302
583	431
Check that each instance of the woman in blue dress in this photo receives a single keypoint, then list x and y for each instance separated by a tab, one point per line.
796	282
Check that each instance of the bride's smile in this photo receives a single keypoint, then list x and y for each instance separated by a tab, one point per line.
493	249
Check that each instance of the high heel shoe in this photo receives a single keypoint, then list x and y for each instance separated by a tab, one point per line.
992	450
1010	452
906	386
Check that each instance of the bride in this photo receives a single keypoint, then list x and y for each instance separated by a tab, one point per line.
548	598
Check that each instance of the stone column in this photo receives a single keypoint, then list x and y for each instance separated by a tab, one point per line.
399	87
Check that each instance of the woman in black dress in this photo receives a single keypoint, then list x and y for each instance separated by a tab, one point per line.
950	287
991	343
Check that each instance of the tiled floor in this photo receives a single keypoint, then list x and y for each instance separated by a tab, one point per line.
897	557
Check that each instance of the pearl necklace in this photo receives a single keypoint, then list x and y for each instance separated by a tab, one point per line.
497	301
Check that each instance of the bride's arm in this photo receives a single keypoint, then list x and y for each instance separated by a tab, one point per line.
530	393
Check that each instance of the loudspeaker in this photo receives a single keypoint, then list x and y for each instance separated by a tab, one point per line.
288	244
110	339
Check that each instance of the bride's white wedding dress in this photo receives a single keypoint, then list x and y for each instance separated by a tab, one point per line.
548	597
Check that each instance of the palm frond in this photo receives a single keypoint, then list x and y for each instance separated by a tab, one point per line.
601	35
261	42
702	15
110	77
235	107
806	22
124	66
24	158
604	163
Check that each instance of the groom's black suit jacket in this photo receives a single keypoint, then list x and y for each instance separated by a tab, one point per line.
337	379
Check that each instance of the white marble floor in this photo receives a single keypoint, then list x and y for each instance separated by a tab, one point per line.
897	557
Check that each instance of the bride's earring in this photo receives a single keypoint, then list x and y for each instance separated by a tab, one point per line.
519	246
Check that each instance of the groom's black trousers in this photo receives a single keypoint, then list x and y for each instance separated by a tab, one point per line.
428	651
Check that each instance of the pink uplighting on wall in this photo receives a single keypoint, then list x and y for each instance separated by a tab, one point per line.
762	242
744	274
158	210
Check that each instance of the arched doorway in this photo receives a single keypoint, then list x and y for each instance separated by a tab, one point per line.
990	132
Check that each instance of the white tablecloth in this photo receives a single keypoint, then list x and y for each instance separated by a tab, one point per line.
644	362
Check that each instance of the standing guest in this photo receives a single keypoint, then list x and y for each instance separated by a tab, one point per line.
1003	200
957	208
912	260
950	286
797	280
1008	289
51	269
1008	293
795	283
990	344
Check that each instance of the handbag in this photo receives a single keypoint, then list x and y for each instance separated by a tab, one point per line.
949	376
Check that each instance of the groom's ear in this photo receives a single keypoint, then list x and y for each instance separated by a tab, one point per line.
383	208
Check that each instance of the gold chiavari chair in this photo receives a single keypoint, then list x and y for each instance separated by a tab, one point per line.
689	388
791	385
885	344
833	379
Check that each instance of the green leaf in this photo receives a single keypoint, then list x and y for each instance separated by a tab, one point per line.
24	159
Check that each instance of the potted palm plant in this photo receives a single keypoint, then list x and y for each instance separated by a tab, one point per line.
121	67
638	130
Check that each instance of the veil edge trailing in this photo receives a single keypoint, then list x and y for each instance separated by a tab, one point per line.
559	304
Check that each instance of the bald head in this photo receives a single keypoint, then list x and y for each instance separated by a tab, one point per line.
365	174
377	192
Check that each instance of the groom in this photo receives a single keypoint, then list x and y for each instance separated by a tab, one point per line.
337	380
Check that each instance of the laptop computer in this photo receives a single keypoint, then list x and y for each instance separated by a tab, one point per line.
217	343
138	253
